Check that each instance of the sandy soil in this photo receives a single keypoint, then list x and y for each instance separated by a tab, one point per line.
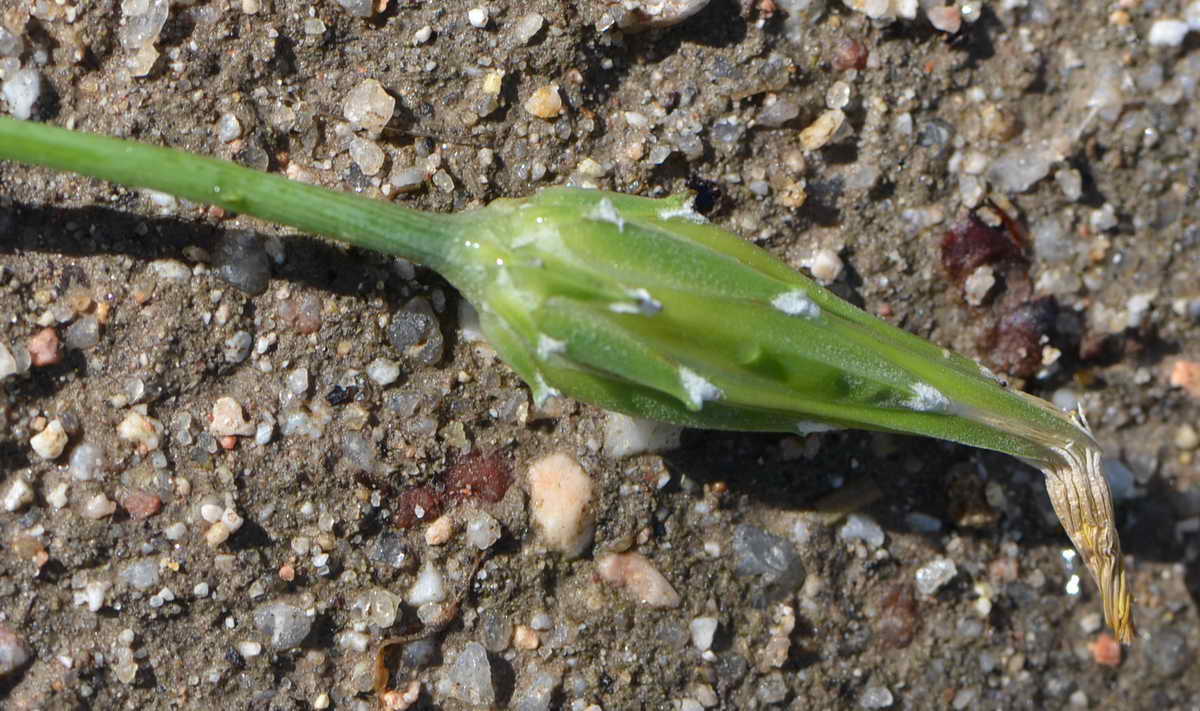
934	124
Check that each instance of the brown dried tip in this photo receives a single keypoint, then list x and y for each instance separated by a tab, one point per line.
1083	502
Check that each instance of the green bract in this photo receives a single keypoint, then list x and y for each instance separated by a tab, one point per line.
638	305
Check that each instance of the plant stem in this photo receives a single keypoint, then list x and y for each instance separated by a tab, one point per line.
373	224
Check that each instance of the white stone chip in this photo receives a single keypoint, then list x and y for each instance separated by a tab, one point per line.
478	17
98	507
227	419
1168	32
825	265
383	371
21	91
625	436
369	106
703	629
51	441
140	429
429	587
560	502
19	495
935	574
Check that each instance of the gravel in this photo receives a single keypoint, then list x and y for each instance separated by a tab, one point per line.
1077	122
285	626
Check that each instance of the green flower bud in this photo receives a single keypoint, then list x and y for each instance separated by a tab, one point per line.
638	305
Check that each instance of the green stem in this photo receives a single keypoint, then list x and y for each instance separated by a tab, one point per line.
373	224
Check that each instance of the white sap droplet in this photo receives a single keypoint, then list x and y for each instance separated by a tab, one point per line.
698	389
548	346
927	398
686	212
796	303
607	212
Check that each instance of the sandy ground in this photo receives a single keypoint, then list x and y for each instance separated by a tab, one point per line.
1063	114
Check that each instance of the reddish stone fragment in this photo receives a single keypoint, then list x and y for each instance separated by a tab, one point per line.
1106	651
480	476
416	505
302	313
45	348
970	244
850	54
898	617
141	505
1014	346
1186	374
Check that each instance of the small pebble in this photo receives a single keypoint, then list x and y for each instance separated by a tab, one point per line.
1186	437
45	348
482	530
821	131
285	625
367	155
142	574
358	8
8	361
19	495
383	371
21	90
140	430
1168	653
1106	651
422	35
141	504
769	557
945	18
560	494
825	266
875	697
778	112
703	629
545	102
935	574
228	127
216	534
638	577
626	436
430	587
1167	33
369	106
525	638
861	527
14	653
440	530
640	15
478	17
528	27
51	441
469	677
227	419
98	507
241	260
57	497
